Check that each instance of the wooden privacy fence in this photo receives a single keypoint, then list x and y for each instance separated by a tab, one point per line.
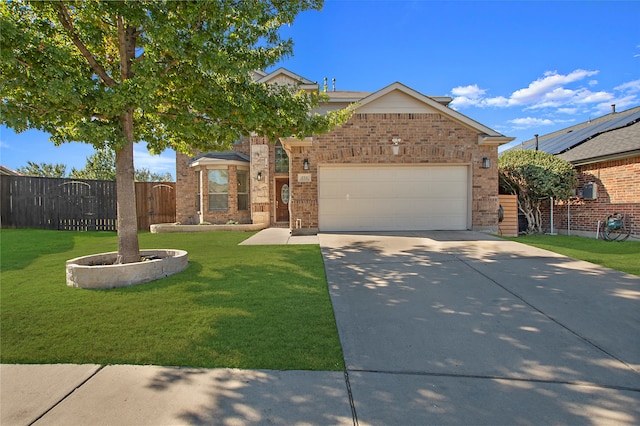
79	204
509	225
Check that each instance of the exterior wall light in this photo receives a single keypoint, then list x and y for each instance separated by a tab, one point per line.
259	176
396	147
486	163
305	164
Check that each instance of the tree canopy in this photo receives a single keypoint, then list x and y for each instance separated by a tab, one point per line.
185	68
173	74
43	170
101	165
535	176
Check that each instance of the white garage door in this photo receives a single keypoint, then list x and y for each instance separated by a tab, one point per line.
392	198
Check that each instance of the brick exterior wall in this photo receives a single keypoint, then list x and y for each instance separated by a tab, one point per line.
618	184
426	139
187	188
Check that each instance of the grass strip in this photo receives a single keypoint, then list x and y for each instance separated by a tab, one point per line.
258	307
622	256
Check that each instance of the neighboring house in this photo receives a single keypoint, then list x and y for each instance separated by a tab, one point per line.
403	161
606	154
5	171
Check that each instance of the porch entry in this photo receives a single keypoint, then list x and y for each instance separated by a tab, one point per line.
282	200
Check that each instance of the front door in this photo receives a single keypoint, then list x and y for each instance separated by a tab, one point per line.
282	200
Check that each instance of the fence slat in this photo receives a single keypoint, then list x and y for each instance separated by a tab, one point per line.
79	204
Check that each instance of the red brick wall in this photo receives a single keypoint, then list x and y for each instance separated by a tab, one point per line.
618	184
187	192
364	139
426	138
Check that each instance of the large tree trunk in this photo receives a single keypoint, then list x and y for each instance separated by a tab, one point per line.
128	248
532	213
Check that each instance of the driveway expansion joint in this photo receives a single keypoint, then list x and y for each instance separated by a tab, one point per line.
505	378
67	395
351	402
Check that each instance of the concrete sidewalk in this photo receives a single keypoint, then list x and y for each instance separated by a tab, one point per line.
150	395
436	328
278	236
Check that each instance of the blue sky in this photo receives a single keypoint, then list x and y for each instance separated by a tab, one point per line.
518	67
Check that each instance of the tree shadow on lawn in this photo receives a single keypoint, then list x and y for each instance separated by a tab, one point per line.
21	247
250	316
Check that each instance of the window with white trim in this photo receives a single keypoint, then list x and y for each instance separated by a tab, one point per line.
218	190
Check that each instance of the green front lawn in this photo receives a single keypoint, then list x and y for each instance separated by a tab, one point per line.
622	256
262	307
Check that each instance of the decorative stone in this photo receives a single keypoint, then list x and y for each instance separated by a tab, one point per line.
163	228
98	271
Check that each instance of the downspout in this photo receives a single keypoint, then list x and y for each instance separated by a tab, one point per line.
568	218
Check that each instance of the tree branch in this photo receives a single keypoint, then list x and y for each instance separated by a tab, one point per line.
65	20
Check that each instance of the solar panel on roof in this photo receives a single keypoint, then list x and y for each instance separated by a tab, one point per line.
561	143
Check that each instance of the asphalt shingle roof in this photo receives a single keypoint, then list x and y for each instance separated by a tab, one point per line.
612	134
227	155
618	141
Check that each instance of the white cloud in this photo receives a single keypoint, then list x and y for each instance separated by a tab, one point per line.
630	86
471	91
163	163
465	96
549	91
620	103
552	82
569	111
529	122
587	97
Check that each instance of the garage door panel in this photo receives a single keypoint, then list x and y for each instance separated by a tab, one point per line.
393	198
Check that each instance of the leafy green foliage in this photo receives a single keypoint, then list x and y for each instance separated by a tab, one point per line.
535	176
253	307
146	175
43	170
101	165
190	72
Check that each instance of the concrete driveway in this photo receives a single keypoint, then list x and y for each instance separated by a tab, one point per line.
465	328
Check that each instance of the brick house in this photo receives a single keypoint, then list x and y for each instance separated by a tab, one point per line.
606	154
403	161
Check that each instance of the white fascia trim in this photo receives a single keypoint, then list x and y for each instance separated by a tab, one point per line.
204	162
290	142
494	140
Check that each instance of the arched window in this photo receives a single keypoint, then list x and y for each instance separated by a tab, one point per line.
282	160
